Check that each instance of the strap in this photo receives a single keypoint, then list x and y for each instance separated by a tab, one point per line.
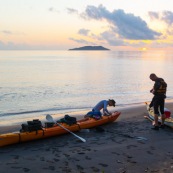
78	126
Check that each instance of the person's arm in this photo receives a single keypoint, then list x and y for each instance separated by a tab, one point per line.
155	87
105	110
152	90
151	104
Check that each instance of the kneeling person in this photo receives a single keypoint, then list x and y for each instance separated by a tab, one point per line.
96	111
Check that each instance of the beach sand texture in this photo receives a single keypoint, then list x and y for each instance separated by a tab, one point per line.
128	145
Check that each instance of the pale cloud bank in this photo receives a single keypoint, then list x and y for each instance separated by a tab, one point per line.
125	27
165	16
120	29
84	32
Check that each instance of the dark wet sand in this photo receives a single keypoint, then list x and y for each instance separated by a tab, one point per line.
126	146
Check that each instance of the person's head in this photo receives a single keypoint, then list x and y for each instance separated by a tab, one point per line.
111	102
153	77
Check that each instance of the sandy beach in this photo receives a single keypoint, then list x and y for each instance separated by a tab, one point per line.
128	145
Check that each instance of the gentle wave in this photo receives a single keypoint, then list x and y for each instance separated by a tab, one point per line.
71	109
75	109
42	111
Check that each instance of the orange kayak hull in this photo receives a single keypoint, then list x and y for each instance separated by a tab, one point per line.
18	137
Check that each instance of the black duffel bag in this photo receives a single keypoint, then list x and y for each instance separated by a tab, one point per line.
32	126
68	120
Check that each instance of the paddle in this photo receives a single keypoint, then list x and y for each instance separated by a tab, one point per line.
50	119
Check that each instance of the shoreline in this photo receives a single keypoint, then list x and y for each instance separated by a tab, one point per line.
15	119
128	145
79	115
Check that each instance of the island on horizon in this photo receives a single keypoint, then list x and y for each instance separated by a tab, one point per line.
90	48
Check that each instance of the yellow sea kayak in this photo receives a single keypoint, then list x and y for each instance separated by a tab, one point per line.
168	121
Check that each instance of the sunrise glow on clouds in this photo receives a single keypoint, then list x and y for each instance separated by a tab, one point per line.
64	24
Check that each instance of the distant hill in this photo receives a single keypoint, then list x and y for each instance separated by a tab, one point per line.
90	48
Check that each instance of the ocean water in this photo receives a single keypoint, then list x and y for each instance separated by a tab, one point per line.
35	83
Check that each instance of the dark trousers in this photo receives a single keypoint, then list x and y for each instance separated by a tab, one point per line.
158	103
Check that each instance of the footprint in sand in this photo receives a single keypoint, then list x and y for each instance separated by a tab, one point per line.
66	163
56	160
88	158
122	170
104	165
66	155
80	167
115	153
77	160
152	148
149	152
152	171
118	161
89	149
48	149
131	161
50	161
52	168
81	153
131	146
129	157
11	163
95	169
16	156
16	167
56	155
42	158
26	169
86	149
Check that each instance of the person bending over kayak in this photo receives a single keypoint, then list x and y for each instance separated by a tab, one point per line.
158	101
96	111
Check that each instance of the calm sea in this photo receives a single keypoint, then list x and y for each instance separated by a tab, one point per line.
34	83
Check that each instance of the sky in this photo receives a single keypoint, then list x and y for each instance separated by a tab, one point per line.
66	24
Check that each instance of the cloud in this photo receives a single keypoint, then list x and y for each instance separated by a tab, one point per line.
112	39
14	46
153	15
82	41
24	46
83	32
6	32
106	37
71	11
127	25
52	9
165	16
11	46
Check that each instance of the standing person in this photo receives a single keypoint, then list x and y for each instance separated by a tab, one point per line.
158	101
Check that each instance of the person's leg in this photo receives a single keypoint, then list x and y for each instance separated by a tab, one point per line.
156	120
156	113
89	114
162	105
86	116
151	103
